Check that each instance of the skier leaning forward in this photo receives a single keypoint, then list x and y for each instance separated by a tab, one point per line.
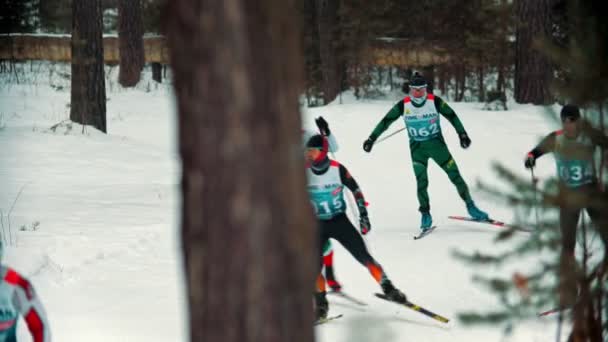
326	181
421	113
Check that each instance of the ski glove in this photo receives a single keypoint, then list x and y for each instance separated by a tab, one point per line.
323	126
465	141
364	224
368	144
530	161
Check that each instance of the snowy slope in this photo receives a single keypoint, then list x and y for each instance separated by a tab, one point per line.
95	224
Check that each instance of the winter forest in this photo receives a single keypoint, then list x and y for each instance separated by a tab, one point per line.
303	170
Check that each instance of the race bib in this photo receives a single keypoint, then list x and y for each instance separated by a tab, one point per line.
423	129
328	203
575	173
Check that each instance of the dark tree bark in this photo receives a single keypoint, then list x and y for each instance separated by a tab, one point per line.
310	36
500	79
130	42
533	71
603	161
88	97
443	81
480	83
461	82
157	72
327	16
246	219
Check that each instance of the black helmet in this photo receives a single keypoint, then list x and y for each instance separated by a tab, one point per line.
316	141
570	112
417	80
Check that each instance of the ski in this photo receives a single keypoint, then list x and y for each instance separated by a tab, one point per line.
550	312
554	310
348	297
424	233
489	221
415	307
327	319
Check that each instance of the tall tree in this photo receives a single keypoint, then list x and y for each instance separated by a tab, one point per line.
88	97
245	215
533	71
310	44
130	42
327	22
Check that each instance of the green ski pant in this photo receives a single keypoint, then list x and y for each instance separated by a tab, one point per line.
437	150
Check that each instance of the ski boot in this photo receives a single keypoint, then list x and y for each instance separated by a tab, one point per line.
334	285
427	221
392	293
476	213
331	279
322	306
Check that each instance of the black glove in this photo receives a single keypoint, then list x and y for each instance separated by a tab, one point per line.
323	126
364	224
368	144
530	161
465	141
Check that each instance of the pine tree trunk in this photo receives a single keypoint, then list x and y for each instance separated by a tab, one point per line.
503	52
500	80
248	233
461	80
88	96
130	42
480	82
312	59
602	181
327	16
157	72
533	71
443	80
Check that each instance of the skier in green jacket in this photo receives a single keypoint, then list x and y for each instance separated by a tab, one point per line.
421	112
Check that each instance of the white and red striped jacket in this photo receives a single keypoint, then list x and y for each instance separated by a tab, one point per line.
17	297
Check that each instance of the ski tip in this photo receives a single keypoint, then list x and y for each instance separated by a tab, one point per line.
425	233
383	296
327	319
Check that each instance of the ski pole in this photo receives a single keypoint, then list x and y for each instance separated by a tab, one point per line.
390	135
534	181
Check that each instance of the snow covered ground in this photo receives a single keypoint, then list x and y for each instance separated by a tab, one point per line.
94	217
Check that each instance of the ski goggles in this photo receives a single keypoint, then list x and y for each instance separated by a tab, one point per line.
571	119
